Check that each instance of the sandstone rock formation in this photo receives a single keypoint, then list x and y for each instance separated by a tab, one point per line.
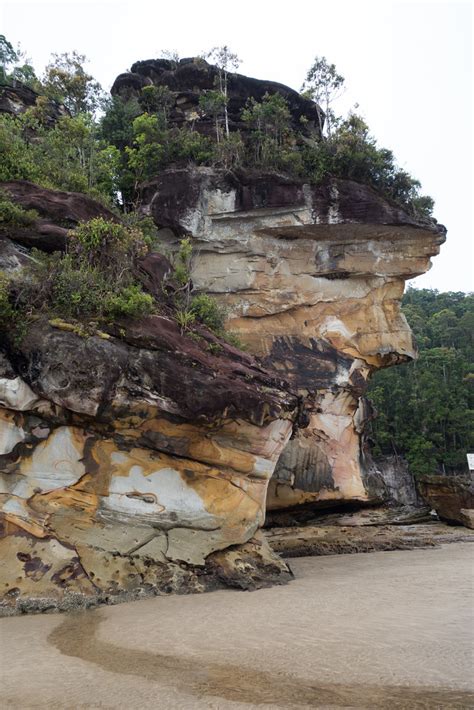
312	278
129	457
189	78
57	213
137	459
452	497
15	100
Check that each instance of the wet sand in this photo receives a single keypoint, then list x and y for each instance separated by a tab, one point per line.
380	630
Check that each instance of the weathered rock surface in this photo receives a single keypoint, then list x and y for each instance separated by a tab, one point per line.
398	480
138	459
130	458
189	78
312	278
57	213
452	497
343	539
350	516
467	517
122	456
17	99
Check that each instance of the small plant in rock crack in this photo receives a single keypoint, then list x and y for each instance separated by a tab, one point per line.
182	265
214	348
185	318
208	312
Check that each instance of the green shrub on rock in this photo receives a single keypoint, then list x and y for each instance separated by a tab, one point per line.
208	312
95	278
109	246
12	215
129	302
6	309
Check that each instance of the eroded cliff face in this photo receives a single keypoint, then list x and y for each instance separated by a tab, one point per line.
129	457
136	459
312	278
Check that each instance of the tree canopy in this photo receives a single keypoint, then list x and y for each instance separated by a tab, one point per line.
109	147
426	408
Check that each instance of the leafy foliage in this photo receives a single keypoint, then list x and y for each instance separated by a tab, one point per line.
15	66
323	85
185	318
7	311
352	153
135	140
156	99
226	61
271	137
207	311
182	262
212	103
426	408
95	278
67	82
155	147
130	302
200	308
8	56
67	156
108	246
12	215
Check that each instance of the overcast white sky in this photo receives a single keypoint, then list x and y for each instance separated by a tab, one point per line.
408	65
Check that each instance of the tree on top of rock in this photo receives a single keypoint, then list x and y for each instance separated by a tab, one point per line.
67	81
15	66
226	62
323	85
270	122
8	56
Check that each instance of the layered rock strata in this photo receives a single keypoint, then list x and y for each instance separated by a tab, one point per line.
130	457
312	278
137	459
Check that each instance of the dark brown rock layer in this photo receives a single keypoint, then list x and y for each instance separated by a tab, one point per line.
190	78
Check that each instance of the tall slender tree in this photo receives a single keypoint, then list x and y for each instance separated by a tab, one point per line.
324	85
226	62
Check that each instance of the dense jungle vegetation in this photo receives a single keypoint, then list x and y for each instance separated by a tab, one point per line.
77	138
426	408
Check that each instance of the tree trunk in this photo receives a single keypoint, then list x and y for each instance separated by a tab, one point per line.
226	115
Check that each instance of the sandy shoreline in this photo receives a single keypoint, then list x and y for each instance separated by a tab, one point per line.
387	629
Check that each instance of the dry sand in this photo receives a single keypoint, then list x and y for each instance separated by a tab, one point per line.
380	630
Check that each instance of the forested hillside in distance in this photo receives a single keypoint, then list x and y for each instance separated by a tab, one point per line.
426	408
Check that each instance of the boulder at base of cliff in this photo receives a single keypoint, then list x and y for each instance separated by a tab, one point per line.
452	497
